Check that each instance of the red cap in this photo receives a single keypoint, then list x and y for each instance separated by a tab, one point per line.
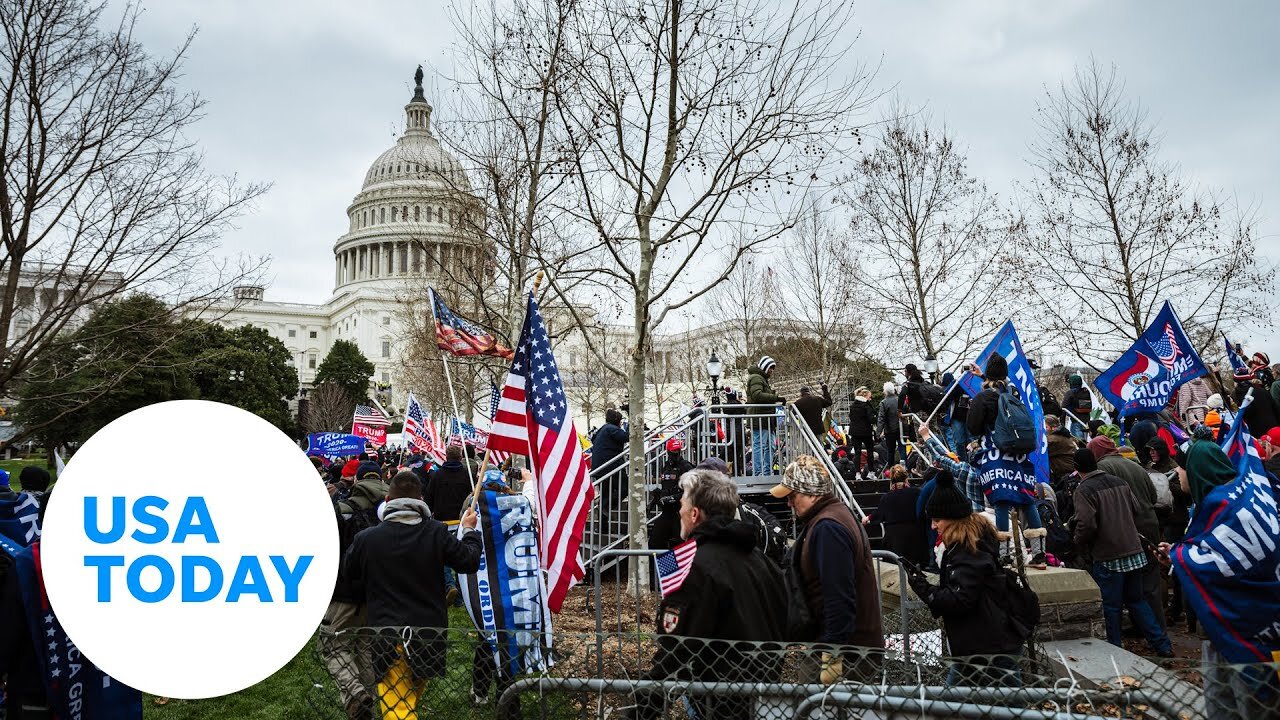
1272	436
675	444
349	470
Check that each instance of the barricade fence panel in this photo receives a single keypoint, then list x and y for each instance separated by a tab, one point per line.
404	673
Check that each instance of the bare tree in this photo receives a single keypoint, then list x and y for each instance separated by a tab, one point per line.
1113	231
924	235
819	295
746	298
683	118
103	191
328	409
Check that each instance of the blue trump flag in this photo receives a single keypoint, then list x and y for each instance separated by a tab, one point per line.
19	514
506	597
1230	558
1145	376
74	686
335	444
1007	344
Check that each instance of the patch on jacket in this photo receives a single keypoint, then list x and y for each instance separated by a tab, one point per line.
670	618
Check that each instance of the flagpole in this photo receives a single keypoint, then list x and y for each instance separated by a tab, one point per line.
448	379
484	463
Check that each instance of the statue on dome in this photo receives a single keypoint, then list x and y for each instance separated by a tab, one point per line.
417	78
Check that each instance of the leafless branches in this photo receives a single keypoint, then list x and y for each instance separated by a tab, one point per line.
103	193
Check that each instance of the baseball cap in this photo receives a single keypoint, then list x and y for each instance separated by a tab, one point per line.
1272	436
675	444
807	476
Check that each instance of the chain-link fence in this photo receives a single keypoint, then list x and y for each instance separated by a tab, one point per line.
421	672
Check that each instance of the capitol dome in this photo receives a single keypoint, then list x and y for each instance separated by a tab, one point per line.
412	213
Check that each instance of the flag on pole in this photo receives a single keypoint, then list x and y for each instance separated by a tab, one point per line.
459	336
58	465
1158	362
1099	411
420	432
494	398
1229	561
367	415
533	420
673	566
1238	364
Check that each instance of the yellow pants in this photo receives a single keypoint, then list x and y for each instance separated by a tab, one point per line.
398	691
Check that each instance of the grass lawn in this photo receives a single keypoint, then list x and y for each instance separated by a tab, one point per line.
14	467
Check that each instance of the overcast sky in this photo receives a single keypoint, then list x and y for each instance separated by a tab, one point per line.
305	94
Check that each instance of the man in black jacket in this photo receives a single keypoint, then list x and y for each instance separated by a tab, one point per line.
608	460
449	486
810	407
398	567
732	593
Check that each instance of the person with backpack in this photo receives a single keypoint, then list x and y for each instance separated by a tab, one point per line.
346	608
862	425
999	418
1077	401
1106	532
972	596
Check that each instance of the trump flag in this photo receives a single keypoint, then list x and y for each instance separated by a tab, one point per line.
1145	376
1229	561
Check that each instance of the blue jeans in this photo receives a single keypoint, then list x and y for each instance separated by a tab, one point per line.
958	439
984	671
1124	590
1030	510
761	451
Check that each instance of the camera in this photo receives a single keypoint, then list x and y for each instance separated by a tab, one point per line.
514	477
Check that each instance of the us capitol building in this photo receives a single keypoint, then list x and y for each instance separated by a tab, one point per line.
406	231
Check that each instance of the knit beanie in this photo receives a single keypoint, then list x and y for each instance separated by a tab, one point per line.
33	478
1075	381
997	369
947	502
947	379
766	364
367	469
1207	467
1261	357
1085	461
349	470
1214	402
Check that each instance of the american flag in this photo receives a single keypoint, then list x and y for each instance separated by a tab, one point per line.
533	420
420	432
495	397
370	416
674	565
1166	348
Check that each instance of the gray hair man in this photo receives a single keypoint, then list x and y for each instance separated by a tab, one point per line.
716	585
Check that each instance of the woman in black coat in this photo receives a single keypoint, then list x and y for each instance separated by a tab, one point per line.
969	595
862	425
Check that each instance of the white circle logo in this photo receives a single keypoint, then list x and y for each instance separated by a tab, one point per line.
189	549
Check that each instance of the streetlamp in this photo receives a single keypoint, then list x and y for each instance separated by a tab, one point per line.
714	369
931	367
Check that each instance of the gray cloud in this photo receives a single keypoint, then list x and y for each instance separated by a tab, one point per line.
306	94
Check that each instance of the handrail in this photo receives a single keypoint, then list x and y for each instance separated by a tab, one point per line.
841	487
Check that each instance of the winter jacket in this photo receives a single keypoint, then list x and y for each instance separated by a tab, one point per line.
1262	413
1061	449
841	585
887	417
862	418
734	593
969	601
759	392
982	411
905	532
357	512
1078	402
1106	518
398	571
1144	492
609	442
447	489
1193	394
18	662
1272	465
810	407
911	397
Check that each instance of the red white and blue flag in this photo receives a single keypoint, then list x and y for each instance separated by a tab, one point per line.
1141	383
533	419
459	336
674	565
1229	561
420	432
367	415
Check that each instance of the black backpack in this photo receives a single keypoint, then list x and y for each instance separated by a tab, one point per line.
1049	402
1058	540
770	537
1021	604
1014	433
930	396
349	525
